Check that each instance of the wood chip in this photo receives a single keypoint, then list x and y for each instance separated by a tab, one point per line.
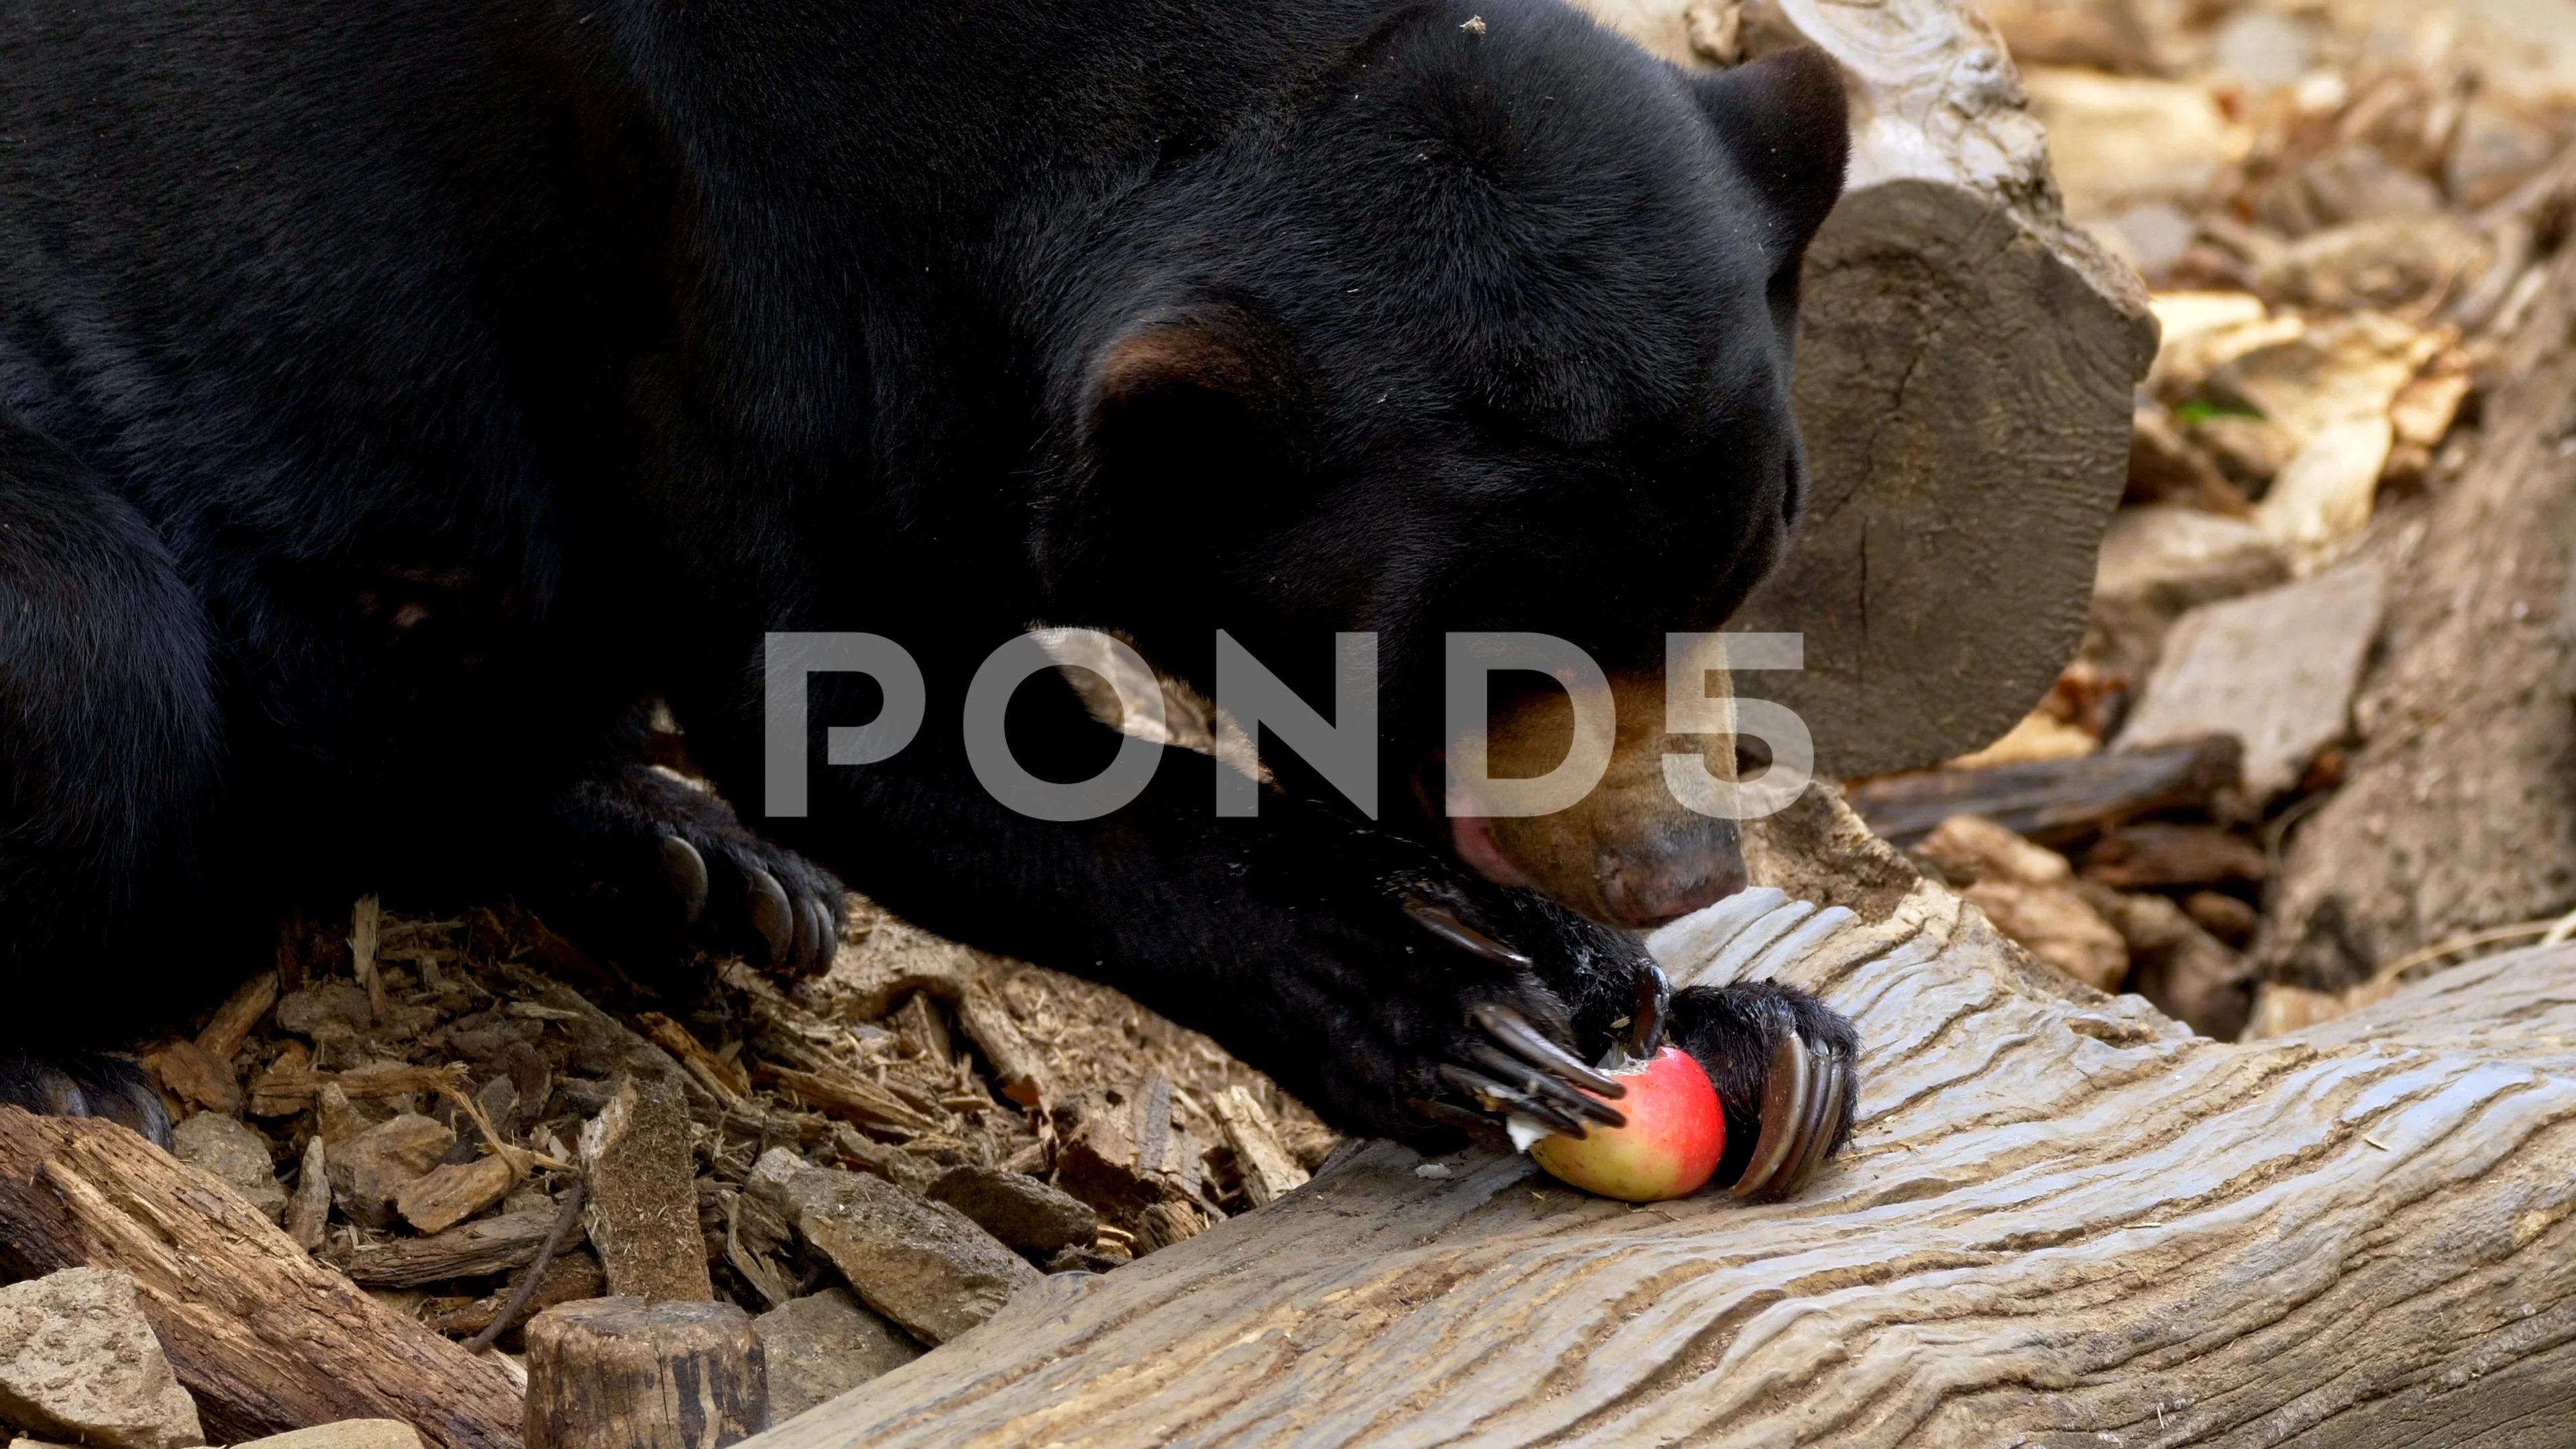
473	1250
192	1074
847	1096
643	1210
725	1080
449	1194
1269	1173
232	1022
1016	1064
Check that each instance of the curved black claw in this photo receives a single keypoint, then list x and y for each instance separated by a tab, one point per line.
1654	1006
1484	1126
1444	923
688	872
1494	1096
827	937
1528	1043
773	917
1802	1110
1512	1070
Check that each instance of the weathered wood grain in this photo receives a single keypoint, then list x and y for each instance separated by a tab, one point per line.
2068	1221
267	1339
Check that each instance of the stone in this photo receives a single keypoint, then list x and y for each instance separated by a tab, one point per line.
2277	670
233	1153
368	1169
822	1346
1017	1208
2355	182
346	1434
2222	915
79	1363
2389	262
2160	561
2152	237
923	1264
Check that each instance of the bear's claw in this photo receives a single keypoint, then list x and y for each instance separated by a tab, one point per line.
1443	922
1802	1107
688	872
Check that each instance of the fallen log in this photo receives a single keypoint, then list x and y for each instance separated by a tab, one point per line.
2067	1220
267	1339
1966	370
2458	813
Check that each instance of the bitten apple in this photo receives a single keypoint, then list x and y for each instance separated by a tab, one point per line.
1676	1132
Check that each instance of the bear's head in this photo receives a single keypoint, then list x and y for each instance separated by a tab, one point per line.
1487	328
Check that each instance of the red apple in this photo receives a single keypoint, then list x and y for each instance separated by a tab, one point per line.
1675	1134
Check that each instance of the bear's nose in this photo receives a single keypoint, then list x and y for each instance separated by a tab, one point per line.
1659	876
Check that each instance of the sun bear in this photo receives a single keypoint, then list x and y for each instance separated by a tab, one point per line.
398	401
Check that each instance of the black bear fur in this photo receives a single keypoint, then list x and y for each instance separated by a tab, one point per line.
396	398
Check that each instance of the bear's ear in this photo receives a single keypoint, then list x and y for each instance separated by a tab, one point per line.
1211	388
1785	121
1215	358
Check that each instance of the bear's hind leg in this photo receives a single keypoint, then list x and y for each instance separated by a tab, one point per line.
108	744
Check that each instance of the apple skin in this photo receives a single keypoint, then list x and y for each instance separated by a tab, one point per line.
1676	1132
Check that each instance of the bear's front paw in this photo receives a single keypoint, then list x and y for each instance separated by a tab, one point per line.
668	850
1510	1053
1786	1069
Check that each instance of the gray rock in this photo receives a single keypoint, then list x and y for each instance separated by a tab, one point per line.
2277	670
2355	182
2159	561
368	1169
923	1264
235	1154
79	1363
1018	1209
2264	48
822	1346
345	1434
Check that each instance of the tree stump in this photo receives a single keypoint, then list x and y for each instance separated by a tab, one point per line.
617	1373
2067	1221
1967	362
